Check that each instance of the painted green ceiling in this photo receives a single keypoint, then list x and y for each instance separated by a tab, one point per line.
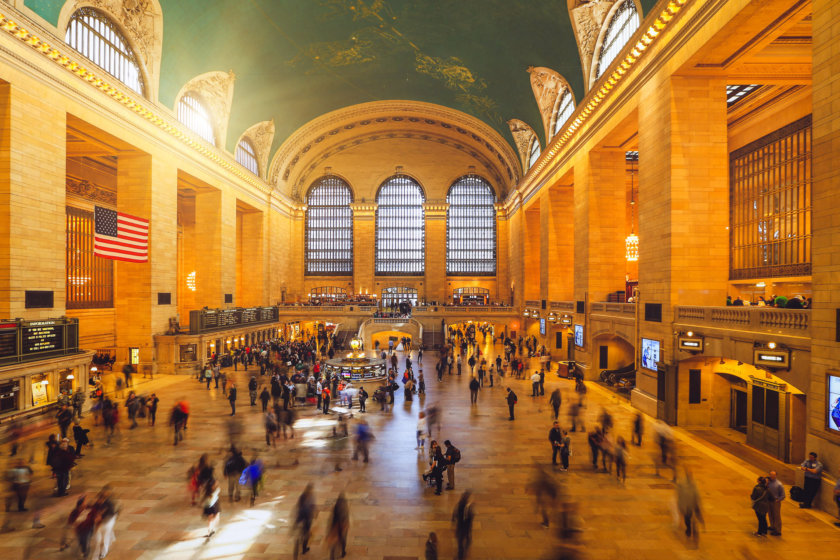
297	59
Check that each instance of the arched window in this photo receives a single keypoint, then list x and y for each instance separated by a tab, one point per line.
471	228
400	228
624	23
196	117
94	35
247	156
329	228
565	108
534	151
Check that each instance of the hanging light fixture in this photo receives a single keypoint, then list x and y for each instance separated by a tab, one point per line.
631	242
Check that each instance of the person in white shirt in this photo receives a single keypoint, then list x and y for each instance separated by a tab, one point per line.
535	383
422	428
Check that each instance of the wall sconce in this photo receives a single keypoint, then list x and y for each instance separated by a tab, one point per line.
526	313
70	376
771	345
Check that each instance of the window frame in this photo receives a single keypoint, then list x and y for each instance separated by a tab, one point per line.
612	46
190	111
338	218
451	216
249	156
384	223
103	50
534	151
81	263
565	99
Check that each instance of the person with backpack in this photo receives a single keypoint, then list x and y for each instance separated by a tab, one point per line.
511	401
452	456
234	465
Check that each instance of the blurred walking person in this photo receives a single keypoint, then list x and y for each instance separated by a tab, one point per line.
339	527
432	547
463	517
545	492
106	518
688	505
211	506
304	515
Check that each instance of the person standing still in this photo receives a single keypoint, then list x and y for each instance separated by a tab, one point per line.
761	505
555	438
232	398
542	382
535	385
511	402
813	479
452	455
777	494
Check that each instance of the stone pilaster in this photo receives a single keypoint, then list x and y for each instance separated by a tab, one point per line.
364	246
33	133
435	277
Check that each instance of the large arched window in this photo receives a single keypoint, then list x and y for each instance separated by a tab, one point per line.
94	35
533	151
471	228
247	156
329	228
624	22
400	228
565	108
196	117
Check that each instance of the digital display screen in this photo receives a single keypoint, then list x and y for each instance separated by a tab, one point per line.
834	403
650	353
579	335
542	327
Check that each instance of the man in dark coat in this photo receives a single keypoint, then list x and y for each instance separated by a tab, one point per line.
232	399
511	401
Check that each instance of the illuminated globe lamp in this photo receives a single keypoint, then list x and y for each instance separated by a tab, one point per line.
631	247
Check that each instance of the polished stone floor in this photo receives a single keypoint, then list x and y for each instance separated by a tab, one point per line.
391	510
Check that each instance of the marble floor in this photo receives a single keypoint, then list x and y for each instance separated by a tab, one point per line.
392	511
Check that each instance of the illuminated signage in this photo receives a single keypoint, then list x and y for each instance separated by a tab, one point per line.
691	343
776	359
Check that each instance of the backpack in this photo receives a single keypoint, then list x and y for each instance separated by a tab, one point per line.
456	455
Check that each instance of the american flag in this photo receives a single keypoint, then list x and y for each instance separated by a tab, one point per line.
120	236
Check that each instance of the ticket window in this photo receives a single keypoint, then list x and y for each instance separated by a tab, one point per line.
9	396
66	380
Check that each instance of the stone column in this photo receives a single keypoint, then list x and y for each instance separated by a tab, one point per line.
557	244
435	277
33	136
251	284
515	251
683	207
146	188
531	252
215	230
503	278
364	246
825	351
599	217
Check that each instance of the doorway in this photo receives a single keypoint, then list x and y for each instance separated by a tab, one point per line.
738	416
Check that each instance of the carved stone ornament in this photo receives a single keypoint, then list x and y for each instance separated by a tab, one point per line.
87	190
587	19
215	89
522	136
141	20
261	136
547	86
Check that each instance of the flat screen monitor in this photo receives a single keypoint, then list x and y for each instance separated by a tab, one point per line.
542	327
579	335
650	353
834	403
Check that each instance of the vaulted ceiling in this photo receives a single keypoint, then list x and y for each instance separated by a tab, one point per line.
295	60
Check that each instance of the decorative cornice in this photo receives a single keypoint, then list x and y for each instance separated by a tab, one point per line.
261	136
548	86
215	89
413	113
364	210
523	135
606	86
89	191
436	209
116	91
587	20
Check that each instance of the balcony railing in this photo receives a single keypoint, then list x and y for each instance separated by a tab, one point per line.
567	306
620	309
762	319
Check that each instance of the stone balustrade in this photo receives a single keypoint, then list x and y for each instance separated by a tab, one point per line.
760	319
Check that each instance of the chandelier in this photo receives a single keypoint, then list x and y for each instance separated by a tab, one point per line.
631	242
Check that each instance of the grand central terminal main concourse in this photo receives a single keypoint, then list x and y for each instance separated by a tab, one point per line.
392	280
